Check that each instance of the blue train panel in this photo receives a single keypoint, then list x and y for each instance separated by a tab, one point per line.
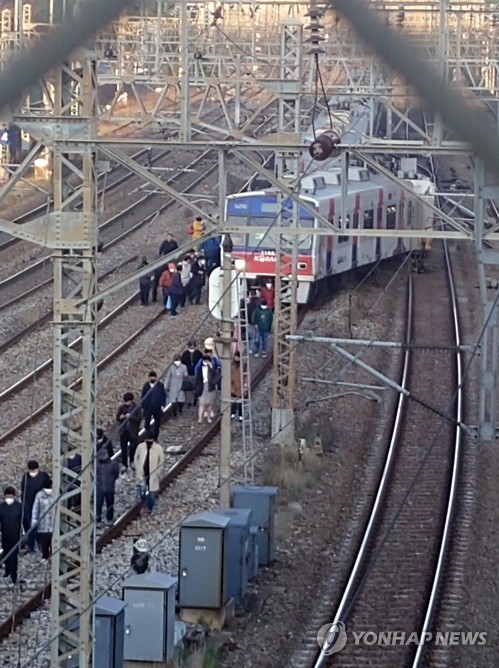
262	205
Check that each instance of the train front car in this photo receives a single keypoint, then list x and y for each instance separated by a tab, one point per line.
261	211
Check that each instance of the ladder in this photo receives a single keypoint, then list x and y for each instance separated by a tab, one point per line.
247	422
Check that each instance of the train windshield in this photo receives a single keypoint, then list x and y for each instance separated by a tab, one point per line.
264	237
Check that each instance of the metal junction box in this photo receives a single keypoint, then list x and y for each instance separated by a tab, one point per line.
239	550
261	500
203	561
253	563
149	616
109	632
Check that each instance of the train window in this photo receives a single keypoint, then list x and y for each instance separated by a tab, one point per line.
342	238
391	217
368	222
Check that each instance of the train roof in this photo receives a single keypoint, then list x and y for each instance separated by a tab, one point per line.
316	188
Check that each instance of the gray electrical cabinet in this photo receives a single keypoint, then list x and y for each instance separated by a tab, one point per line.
109	632
261	500
253	563
203	561
149	617
239	550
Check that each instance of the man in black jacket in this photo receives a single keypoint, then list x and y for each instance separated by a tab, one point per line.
190	358
128	416
107	472
31	483
103	441
168	245
153	400
11	516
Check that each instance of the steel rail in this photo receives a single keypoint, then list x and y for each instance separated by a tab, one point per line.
117	529
109	222
324	658
451	506
121	524
361	556
18	385
32	375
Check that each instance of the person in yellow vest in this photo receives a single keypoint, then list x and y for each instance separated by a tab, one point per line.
196	228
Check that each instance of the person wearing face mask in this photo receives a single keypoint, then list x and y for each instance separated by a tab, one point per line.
190	357
149	460
197	281
174	383
103	441
128	417
205	385
42	518
32	482
11	515
176	291
268	293
262	319
153	401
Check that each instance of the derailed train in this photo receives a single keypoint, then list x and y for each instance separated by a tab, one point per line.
373	202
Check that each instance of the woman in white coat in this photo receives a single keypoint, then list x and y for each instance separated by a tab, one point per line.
174	382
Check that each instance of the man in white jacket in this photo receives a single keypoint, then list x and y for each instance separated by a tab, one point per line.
149	460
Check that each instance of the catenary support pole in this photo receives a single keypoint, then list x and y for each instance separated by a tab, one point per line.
226	340
286	279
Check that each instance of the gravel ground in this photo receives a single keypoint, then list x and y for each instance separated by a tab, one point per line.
187	493
470	600
332	496
318	520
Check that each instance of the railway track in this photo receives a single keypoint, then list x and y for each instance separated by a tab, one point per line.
187	435
37	275
393	584
20	392
183	432
121	226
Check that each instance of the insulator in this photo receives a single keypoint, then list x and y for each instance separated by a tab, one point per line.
198	55
324	146
315	28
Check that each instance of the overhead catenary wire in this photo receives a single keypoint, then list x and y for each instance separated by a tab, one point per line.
192	335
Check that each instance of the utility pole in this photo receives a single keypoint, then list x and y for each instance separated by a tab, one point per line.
184	62
73	235
286	280
226	340
75	277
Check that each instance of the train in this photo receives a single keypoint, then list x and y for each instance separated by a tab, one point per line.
374	201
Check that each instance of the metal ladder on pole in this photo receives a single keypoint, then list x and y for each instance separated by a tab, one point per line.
243	345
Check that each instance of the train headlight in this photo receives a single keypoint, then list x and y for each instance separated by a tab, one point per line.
239	264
